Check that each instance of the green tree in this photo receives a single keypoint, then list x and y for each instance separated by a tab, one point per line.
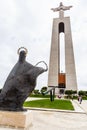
43	89
69	93
83	93
36	91
74	92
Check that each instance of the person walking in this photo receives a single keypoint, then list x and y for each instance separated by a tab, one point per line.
80	99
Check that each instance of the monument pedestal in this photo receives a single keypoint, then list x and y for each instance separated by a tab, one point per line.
16	119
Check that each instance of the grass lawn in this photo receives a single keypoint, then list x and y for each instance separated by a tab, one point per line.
46	103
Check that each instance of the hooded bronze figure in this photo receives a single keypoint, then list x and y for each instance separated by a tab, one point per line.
20	83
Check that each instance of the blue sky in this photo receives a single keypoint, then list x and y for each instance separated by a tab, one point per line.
28	23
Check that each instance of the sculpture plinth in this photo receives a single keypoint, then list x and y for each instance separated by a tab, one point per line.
16	119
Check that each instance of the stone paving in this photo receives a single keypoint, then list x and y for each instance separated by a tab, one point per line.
83	105
59	120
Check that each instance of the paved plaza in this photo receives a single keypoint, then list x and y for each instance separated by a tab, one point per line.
45	119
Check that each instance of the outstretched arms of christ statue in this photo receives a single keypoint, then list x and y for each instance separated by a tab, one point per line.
61	7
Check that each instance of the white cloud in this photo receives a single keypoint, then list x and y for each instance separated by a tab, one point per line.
29	23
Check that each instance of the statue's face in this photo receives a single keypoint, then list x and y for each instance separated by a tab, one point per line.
22	56
61	4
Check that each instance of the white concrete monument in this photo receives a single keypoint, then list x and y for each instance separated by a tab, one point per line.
67	80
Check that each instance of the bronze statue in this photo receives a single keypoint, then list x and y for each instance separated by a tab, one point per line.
20	83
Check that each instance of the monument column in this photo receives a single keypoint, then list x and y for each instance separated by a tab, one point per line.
67	80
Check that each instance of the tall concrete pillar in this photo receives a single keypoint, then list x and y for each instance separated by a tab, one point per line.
67	80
